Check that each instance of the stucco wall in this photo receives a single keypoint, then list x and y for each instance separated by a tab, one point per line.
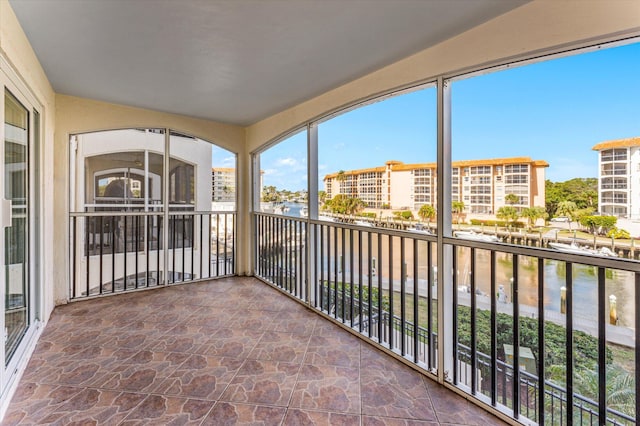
18	52
541	26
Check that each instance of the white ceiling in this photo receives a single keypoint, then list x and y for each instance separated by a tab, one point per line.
234	61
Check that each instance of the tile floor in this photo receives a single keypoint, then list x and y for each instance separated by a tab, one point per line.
226	352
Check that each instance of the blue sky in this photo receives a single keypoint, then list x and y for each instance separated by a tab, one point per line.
553	110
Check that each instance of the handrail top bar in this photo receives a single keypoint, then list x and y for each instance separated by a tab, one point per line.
545	253
157	213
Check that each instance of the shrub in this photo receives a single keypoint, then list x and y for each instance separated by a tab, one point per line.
502	223
618	233
371	215
405	214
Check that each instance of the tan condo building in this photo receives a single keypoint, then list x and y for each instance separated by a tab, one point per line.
481	185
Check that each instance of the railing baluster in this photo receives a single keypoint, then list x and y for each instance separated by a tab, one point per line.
403	296
602	347
336	272
637	351
88	255
493	332
380	293
124	275
360	292
147	237
454	332
137	236
541	344
192	222
390	285
322	268
343	272
569	342
370	284
113	254
161	224
416	302
218	245
516	340
351	233
473	330
101	253
74	255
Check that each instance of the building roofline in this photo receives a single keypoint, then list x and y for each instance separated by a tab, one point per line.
400	166
618	143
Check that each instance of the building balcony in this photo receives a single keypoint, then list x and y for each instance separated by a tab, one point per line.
227	351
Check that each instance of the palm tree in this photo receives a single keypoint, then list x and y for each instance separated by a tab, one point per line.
354	205
457	207
511	199
567	208
322	198
621	386
507	213
533	214
427	212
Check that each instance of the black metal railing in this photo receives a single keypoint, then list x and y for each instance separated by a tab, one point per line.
114	252
383	284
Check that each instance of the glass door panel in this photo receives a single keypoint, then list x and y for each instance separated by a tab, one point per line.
16	236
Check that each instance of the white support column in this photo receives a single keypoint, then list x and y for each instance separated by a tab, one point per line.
312	205
445	253
256	190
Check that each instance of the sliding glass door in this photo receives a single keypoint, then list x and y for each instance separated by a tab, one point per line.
19	277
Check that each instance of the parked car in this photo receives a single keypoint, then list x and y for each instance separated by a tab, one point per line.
560	219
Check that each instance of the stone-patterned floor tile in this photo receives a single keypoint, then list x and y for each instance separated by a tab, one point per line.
452	408
297	417
32	402
228	351
186	344
262	382
231	342
92	406
328	387
144	373
391	421
254	320
285	347
340	348
162	410
227	413
390	389
201	377
300	326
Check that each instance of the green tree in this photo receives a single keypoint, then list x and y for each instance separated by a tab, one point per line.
507	213
457	207
598	224
568	209
322	198
271	194
532	214
511	199
427	212
345	205
582	191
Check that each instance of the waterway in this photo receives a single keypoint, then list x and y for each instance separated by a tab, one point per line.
585	288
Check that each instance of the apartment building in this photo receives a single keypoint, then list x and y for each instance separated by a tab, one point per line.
481	185
223	184
619	177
